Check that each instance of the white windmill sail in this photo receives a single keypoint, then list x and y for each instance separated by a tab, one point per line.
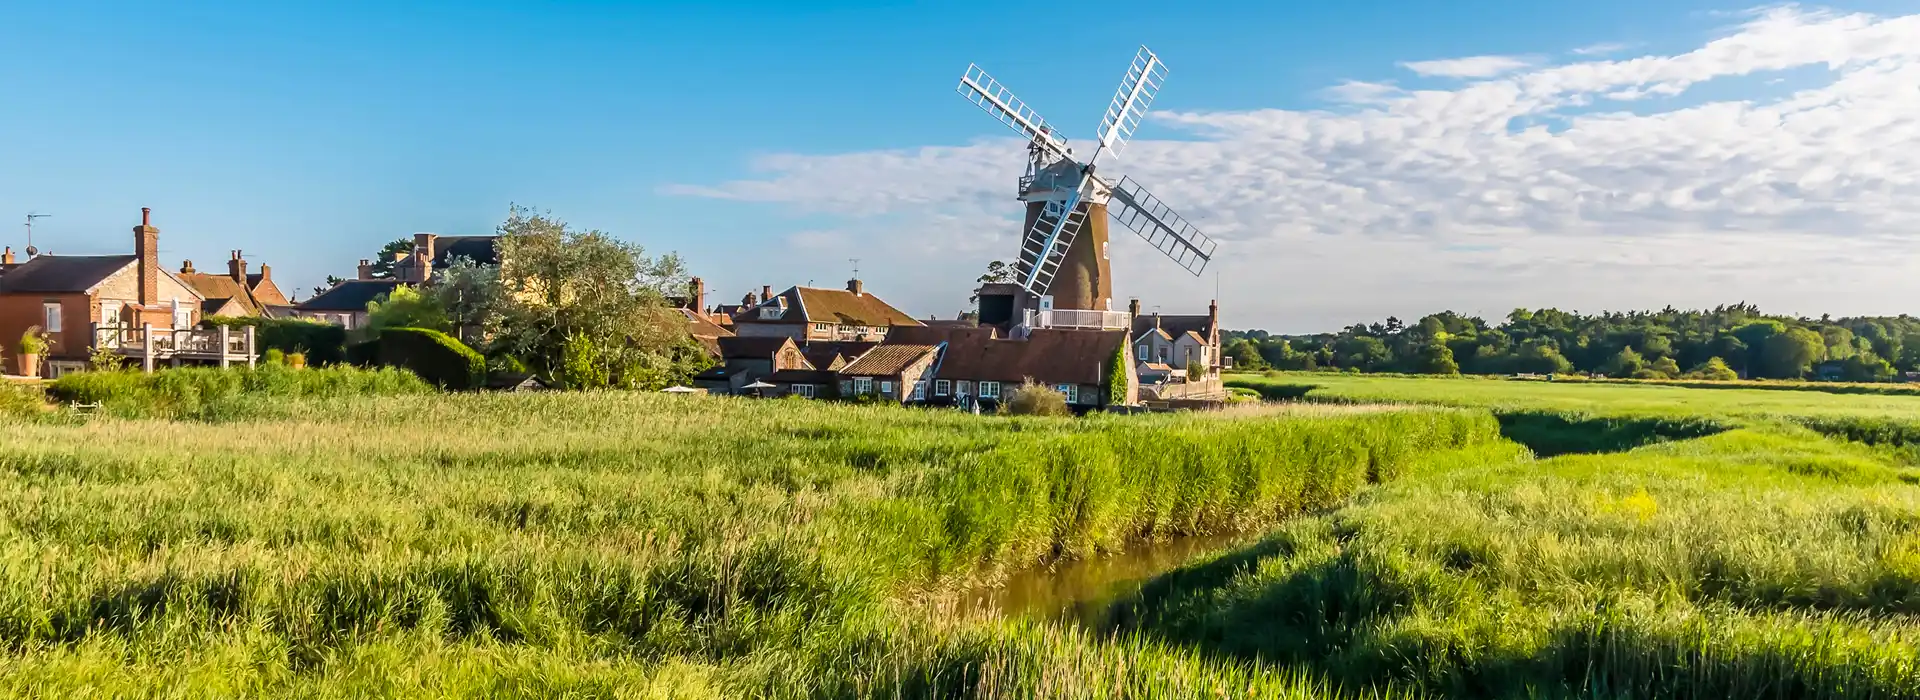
1065	185
1137	209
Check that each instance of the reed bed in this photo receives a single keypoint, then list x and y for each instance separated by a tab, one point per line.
331	543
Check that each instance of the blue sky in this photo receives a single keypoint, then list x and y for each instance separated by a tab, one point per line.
307	134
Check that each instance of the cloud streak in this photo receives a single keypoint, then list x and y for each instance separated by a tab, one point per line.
1469	67
1592	183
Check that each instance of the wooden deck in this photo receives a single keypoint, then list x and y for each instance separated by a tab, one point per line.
222	346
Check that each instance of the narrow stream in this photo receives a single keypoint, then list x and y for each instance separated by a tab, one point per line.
1080	591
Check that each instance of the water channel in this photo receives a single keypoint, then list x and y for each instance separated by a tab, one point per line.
1081	591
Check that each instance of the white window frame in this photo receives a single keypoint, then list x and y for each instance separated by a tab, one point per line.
862	386
920	391
804	390
846	387
1144	350
770	313
942	387
182	316
964	388
1071	391
886	387
989	390
51	316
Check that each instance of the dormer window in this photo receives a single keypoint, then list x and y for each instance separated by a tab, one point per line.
770	312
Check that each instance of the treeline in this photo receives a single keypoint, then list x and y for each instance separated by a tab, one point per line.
1726	342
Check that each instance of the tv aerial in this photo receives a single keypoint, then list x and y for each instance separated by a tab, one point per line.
31	250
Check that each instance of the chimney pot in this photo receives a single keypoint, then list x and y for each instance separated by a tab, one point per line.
266	272
7	257
853	285
237	268
146	216
766	292
186	267
366	269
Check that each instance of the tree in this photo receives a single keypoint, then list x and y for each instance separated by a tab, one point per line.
997	273
1435	358
570	296
405	307
1663	368
1541	357
381	267
469	293
1790	354
1624	364
1245	355
1714	369
1866	367
1838	341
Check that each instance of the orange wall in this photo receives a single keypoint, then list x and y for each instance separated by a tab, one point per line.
18	312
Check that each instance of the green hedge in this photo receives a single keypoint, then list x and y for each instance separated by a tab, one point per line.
322	343
435	356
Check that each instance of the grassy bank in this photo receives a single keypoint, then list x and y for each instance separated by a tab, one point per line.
202	393
1753	563
607	544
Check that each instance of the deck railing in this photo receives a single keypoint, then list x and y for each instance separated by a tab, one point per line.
149	343
1080	319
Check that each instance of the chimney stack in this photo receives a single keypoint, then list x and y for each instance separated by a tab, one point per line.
7	257
766	292
423	256
366	269
853	285
237	268
266	273
146	247
1133	309
186	267
1213	321
697	295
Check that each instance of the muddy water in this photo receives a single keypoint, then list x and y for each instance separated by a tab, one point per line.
1080	591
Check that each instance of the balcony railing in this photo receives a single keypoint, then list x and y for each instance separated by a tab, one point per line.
222	344
1079	319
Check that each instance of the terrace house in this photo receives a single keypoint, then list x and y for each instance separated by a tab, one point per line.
749	359
808	314
235	292
125	304
977	366
890	372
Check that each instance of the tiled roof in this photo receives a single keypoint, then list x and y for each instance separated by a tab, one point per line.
62	274
481	249
836	306
700	327
752	347
887	360
220	288
1047	355
821	353
351	295
1175	325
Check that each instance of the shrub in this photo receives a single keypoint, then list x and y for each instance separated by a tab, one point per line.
364	354
33	342
1119	375
435	356
1032	399
323	343
1714	369
582	365
297	360
274	356
206	393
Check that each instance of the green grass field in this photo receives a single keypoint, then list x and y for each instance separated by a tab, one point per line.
327	543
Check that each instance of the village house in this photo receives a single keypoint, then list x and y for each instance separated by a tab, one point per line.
977	366
125	304
808	314
748	360
1177	341
345	304
236	292
890	372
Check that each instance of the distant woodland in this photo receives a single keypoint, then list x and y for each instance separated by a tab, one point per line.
1727	342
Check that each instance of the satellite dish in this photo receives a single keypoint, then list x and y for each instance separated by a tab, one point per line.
32	251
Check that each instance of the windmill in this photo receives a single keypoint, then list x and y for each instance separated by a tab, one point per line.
1063	253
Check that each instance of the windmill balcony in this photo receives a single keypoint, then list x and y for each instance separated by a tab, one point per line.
148	344
1080	319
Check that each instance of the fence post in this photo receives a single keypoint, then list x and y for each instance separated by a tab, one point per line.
250	353
224	344
146	349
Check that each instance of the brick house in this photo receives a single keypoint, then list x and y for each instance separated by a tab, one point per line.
891	372
346	303
978	366
747	360
808	314
83	302
237	292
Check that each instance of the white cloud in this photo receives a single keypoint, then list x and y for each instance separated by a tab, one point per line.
1591	184
1601	49
1469	67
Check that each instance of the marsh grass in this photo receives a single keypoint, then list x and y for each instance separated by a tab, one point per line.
601	544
